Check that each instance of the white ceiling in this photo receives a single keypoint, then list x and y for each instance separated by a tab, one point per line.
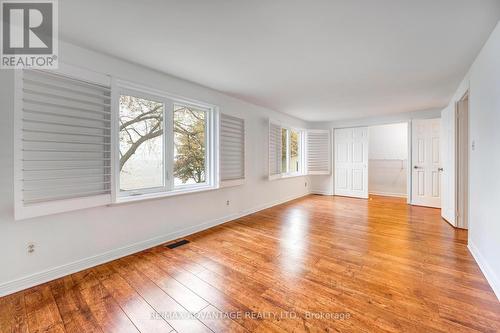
316	60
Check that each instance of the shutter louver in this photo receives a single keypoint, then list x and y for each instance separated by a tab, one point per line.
318	152
232	150
65	140
274	150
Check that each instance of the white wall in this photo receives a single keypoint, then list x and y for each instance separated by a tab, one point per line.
388	157
483	81
71	241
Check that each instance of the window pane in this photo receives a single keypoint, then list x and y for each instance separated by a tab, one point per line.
189	145
141	143
283	150
294	151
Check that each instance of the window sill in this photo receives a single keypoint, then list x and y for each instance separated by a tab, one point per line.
286	176
159	195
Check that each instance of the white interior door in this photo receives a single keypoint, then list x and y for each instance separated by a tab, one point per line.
351	162
448	164
426	163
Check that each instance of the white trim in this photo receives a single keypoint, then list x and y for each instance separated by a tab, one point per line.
409	165
176	98
286	176
320	192
163	194
388	194
76	266
62	206
488	272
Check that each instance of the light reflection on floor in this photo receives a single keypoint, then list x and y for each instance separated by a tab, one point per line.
294	243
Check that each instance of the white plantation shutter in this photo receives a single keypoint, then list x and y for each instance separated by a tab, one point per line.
63	143
274	150
318	152
232	150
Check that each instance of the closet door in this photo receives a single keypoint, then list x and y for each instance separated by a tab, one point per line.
351	162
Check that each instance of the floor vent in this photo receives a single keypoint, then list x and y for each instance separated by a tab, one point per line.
177	244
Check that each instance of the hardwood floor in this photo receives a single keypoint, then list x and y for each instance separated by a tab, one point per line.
316	264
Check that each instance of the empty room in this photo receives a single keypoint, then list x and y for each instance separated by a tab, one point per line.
249	166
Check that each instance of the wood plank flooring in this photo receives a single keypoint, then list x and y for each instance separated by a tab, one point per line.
316	264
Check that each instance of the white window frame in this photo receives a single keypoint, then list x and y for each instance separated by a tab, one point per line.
302	152
120	87
208	134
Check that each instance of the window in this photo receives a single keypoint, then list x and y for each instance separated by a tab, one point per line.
189	145
164	144
295	161
292	158
142	163
288	143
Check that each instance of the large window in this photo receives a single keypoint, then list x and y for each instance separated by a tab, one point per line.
163	145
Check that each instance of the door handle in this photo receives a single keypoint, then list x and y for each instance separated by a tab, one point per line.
416	167
440	169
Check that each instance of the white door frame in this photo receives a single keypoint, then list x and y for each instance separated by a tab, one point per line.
460	164
409	164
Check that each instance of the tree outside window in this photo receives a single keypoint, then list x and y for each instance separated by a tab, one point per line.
141	140
189	145
294	151
141	143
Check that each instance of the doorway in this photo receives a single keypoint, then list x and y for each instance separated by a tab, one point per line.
388	159
462	179
371	160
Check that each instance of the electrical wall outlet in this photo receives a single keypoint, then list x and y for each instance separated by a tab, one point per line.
31	248
227	203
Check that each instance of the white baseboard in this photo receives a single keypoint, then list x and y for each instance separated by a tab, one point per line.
489	274
389	194
321	192
79	265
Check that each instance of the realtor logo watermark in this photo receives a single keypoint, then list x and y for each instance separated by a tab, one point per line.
29	34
